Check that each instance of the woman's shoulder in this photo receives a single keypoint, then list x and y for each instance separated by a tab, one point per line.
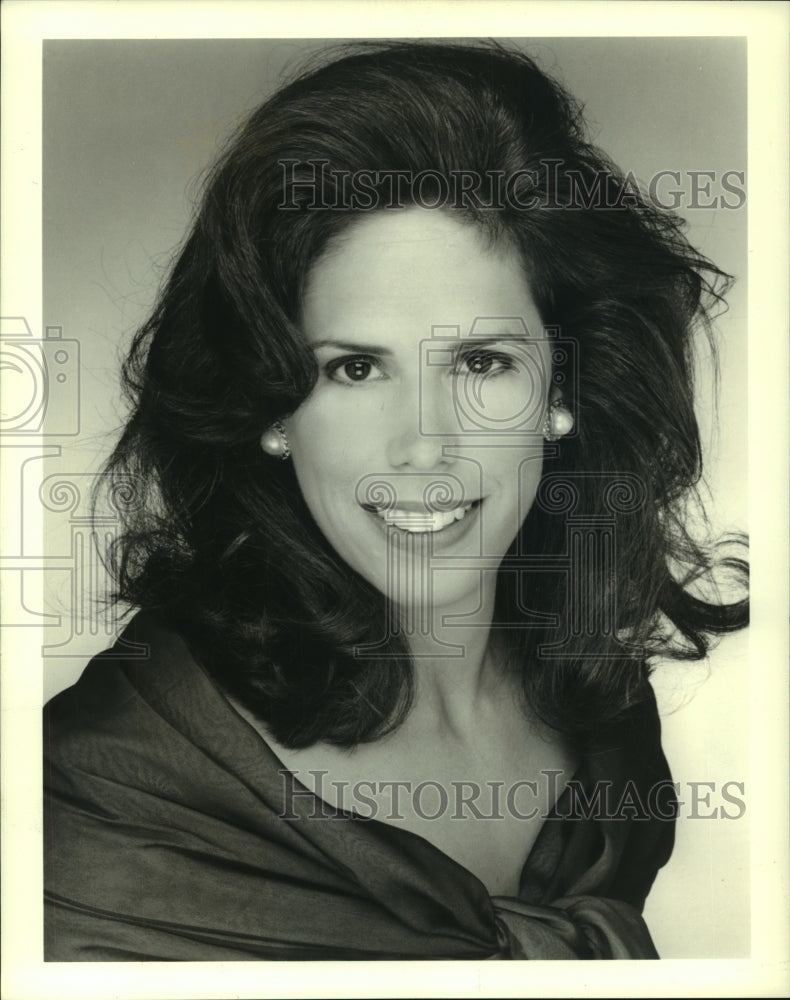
116	692
145	720
145	717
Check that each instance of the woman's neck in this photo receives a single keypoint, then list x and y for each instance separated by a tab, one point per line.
458	667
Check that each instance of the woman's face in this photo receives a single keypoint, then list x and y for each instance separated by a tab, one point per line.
421	440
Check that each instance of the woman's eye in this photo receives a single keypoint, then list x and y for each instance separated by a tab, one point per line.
350	370
483	362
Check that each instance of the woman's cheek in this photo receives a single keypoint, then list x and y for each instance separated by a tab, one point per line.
332	430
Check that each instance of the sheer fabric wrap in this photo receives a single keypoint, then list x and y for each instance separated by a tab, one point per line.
166	838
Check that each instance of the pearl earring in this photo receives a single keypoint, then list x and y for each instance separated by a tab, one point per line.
274	442
558	422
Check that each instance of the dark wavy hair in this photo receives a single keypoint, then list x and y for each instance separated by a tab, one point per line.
221	543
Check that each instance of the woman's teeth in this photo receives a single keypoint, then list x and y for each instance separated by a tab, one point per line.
422	521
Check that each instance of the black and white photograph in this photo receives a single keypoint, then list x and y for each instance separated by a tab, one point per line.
380	469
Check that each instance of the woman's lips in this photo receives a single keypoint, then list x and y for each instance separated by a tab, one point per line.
415	519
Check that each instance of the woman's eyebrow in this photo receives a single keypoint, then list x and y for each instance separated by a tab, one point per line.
494	338
351	347
461	342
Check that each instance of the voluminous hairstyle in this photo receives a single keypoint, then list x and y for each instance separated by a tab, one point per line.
221	543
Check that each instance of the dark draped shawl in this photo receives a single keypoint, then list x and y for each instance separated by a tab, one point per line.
165	839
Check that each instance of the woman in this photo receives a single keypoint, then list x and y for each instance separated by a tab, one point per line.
411	439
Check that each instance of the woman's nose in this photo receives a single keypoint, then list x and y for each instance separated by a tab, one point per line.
424	429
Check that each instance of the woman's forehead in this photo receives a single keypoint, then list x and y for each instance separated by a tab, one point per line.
420	269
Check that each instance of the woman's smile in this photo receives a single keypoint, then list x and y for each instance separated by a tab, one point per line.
419	519
442	527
